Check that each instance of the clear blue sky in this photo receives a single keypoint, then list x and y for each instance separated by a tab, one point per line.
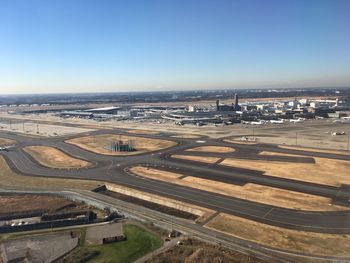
100	45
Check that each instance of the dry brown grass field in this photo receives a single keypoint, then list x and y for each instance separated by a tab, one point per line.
6	142
253	192
54	158
300	241
22	203
322	171
306	149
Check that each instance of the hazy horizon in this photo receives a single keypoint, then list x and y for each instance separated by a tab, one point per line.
116	46
170	91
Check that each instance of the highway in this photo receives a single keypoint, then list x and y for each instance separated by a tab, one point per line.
116	169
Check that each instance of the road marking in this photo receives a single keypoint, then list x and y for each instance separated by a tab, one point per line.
267	213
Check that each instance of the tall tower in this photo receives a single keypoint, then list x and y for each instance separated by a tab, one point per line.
236	102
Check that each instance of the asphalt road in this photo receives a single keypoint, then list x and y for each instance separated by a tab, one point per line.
116	170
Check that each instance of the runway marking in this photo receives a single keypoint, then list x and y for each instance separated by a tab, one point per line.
268	213
109	168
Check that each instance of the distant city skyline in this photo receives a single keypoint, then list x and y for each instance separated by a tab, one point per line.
118	46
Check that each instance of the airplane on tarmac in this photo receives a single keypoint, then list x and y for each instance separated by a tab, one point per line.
297	120
257	122
279	121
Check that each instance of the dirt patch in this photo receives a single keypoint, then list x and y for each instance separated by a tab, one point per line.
6	142
143	132
23	203
300	241
212	149
201	159
99	144
313	150
54	158
8	178
322	171
195	251
151	205
253	192
20	204
186	136
267	153
46	247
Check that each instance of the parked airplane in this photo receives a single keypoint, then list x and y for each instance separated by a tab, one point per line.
297	120
281	121
257	122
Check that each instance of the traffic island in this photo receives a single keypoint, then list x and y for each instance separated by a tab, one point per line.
54	158
102	144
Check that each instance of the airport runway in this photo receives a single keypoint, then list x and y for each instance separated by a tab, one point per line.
116	169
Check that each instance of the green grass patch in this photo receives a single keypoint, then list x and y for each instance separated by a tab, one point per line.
139	243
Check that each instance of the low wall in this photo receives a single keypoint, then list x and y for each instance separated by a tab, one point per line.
193	209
